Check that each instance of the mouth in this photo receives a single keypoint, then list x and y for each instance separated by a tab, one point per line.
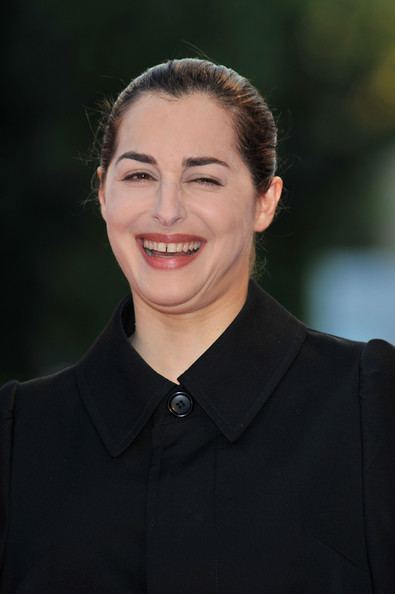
170	251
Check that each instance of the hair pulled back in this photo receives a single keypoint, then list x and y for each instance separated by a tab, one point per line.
254	123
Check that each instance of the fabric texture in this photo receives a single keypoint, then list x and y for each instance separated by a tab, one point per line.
281	479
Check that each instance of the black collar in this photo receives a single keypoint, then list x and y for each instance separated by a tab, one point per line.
231	381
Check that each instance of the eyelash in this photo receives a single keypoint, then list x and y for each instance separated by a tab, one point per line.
207	181
138	176
144	176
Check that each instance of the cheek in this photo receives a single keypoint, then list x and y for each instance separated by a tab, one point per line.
235	221
119	224
120	207
120	214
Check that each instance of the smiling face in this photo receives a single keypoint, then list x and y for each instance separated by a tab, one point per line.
180	205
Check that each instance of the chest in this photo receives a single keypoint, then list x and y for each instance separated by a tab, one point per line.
183	509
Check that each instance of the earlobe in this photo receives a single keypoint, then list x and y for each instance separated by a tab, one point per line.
267	204
100	192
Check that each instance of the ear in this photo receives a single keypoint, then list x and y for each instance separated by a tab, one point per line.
100	193
266	204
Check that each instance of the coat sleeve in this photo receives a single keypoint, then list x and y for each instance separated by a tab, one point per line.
378	442
7	400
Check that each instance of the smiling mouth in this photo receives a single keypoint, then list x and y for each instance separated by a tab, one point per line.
168	250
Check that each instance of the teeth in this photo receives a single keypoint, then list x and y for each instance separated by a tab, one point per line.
173	248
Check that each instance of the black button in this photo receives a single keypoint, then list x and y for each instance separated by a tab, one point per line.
180	404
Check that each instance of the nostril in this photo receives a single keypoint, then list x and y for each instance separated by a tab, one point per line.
168	219
169	208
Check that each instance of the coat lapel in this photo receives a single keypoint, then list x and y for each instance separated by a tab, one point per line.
231	381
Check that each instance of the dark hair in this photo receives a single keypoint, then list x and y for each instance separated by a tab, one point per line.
254	123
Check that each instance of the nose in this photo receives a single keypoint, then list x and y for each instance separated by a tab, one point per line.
169	207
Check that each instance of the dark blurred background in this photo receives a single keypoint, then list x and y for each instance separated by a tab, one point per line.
327	69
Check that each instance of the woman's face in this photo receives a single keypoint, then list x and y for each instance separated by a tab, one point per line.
180	205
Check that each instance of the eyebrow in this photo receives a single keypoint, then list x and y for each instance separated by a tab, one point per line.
198	161
190	162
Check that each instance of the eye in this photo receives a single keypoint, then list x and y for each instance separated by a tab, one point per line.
207	181
138	176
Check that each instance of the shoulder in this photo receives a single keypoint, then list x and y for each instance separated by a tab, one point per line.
323	344
370	366
7	399
377	397
331	359
38	392
7	406
377	386
378	357
60	392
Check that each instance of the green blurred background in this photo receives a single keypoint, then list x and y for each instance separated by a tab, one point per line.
325	66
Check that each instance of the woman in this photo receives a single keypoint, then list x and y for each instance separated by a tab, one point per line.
208	442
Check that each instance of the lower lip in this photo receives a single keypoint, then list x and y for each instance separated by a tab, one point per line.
169	262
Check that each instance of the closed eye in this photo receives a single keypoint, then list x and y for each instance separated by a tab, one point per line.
207	180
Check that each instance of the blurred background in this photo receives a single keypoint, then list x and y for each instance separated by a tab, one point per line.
326	67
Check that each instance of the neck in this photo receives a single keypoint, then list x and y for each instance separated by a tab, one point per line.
170	343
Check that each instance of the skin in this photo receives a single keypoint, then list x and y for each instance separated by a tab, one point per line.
182	303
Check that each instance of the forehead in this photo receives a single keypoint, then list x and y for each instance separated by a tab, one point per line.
194	123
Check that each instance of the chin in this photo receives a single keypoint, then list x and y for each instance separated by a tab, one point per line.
168	296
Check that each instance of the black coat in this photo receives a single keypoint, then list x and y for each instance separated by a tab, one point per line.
279	479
